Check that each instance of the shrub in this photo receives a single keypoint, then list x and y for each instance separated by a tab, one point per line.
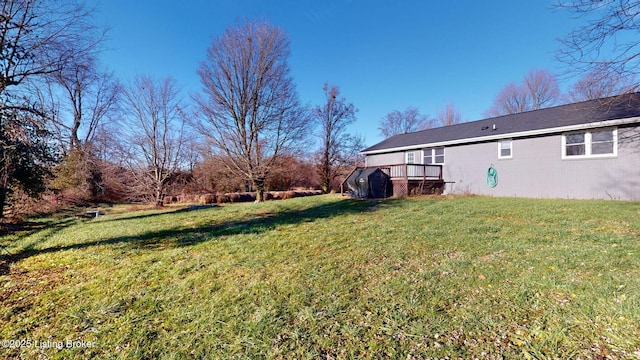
246	197
222	198
233	197
170	200
208	199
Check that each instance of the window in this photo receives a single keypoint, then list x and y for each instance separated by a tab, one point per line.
597	143
602	142
504	149
433	156
575	144
411	157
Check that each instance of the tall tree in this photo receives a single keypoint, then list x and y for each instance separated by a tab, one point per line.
607	42
333	117
85	98
90	97
400	122
153	135
539	89
36	38
449	115
249	106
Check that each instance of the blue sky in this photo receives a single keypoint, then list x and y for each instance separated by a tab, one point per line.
384	55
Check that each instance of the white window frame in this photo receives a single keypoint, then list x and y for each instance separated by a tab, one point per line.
500	142
588	144
433	155
406	157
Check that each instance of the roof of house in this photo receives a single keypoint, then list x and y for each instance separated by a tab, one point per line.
576	116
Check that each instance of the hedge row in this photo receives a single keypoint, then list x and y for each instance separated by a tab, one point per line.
237	197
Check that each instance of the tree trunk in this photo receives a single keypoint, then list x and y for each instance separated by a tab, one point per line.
325	173
159	197
324	186
3	198
258	185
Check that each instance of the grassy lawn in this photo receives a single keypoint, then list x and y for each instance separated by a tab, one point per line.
327	277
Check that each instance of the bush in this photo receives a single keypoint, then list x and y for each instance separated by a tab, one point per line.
170	200
222	198
288	195
236	197
246	197
208	199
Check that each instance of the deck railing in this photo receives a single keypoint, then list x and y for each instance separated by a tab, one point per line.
413	171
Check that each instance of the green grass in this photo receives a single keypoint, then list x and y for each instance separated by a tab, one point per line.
327	277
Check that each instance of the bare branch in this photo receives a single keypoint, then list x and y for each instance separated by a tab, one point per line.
409	120
607	42
333	117
249	106
449	115
37	37
539	89
154	134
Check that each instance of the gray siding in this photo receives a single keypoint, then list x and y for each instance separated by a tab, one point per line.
385	159
537	169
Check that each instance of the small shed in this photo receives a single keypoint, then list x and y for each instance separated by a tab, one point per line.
369	183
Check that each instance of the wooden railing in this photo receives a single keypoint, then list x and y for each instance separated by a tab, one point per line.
413	171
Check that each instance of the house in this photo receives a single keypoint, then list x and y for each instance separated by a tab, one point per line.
586	150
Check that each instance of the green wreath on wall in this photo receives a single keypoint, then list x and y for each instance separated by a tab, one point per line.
492	177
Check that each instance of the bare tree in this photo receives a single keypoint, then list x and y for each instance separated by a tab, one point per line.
295	171
249	107
153	134
601	45
333	117
449	115
597	85
211	175
36	38
84	98
90	97
33	34
510	100
539	89
542	88
397	122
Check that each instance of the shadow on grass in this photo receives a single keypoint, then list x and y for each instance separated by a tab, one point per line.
158	212
42	232
187	236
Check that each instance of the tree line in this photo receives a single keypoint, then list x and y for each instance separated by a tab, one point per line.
69	127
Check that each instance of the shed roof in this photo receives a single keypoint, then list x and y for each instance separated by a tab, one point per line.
592	113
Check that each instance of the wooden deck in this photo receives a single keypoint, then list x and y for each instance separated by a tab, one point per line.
412	171
410	179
